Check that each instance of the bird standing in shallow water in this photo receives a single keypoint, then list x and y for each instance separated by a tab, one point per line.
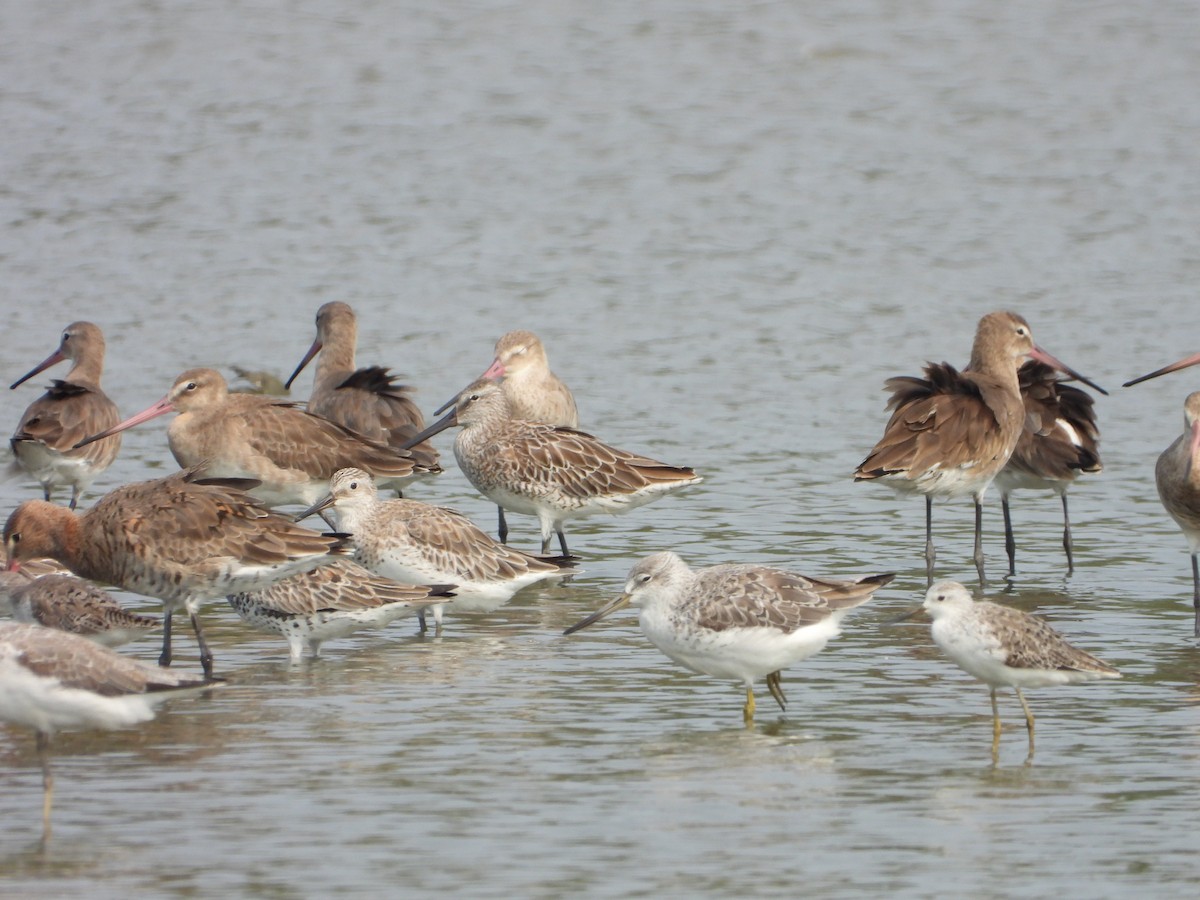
553	473
736	621
73	408
1059	442
418	543
181	539
367	401
534	393
69	603
952	432
54	681
1002	646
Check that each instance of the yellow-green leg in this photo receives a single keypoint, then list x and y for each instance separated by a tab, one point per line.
748	709
995	727
43	748
776	688
1028	719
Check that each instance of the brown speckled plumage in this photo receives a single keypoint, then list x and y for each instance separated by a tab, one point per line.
73	408
369	401
72	604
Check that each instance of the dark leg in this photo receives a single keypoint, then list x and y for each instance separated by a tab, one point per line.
74	497
979	543
562	541
1067	544
206	659
165	658
776	689
1010	543
930	553
43	749
421	620
503	525
1196	592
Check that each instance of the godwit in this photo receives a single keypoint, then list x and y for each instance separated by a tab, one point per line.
367	401
534	392
53	681
1178	478
952	432
71	604
552	473
45	440
418	543
331	602
291	452
736	621
181	539
1002	646
1059	441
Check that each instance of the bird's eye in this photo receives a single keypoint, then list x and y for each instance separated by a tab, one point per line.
642	579
191	386
66	336
14	538
354	485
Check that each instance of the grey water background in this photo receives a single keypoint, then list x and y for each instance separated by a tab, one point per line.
729	222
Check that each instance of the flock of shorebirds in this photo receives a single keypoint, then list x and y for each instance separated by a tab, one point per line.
210	530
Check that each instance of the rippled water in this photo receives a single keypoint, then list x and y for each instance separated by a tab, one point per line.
729	223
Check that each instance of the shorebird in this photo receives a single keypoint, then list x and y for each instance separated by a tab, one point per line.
534	392
1002	646
952	432
290	451
1060	440
736	621
45	440
53	681
331	602
181	539
552	473
417	543
1177	476
367	401
72	604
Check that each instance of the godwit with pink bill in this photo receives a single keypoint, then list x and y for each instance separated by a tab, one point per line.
53	681
553	473
418	543
70	603
73	408
534	392
1060	441
291	452
952	432
181	539
368	401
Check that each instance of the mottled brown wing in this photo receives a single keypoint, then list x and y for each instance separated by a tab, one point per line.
296	438
79	663
203	520
757	596
67	414
581	465
343	585
456	544
939	420
1032	644
370	402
